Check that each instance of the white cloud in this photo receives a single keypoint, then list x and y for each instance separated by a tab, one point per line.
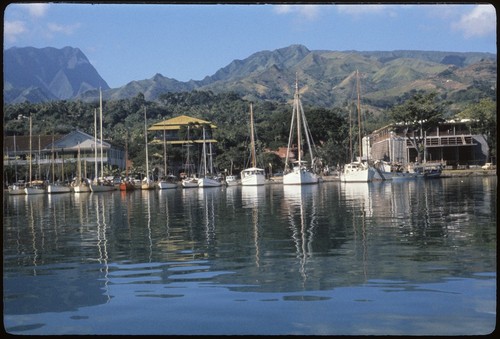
479	22
66	29
35	10
357	9
310	12
12	29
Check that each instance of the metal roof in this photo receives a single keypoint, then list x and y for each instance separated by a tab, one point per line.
177	122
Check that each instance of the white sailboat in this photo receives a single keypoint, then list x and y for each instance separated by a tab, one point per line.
189	181
358	171
34	187
207	178
80	185
252	176
17	188
59	186
99	184
147	183
300	174
168	181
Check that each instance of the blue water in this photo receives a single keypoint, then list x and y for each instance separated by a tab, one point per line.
408	258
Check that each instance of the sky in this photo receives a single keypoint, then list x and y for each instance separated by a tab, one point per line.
127	42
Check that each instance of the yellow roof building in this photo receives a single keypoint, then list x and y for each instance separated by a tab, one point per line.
175	124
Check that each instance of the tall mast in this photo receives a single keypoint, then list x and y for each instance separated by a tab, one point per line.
296	109
252	139
164	154
31	154
100	115
53	160
146	138
359	117
95	146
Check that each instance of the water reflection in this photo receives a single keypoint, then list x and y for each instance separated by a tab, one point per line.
186	255
302	217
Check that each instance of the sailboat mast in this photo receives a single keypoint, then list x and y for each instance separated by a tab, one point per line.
95	145
359	117
31	154
164	154
204	153
53	160
296	109
100	117
15	157
146	139
252	138
79	166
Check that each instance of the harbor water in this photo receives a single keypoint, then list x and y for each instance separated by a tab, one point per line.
415	257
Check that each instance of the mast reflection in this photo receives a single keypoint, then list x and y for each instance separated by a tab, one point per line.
302	214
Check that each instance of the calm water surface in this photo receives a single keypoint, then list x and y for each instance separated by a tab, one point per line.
416	257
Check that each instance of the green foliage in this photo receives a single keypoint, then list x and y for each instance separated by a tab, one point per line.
124	124
419	114
483	120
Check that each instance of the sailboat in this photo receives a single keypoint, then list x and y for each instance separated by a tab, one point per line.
252	176
17	188
99	185
59	186
357	171
168	181
33	187
126	184
147	183
80	185
189	181
207	179
300	174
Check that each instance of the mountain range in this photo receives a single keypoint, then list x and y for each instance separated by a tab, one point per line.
326	78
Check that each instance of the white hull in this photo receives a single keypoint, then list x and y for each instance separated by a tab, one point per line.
166	185
81	189
232	180
16	190
208	182
101	188
300	177
355	172
253	177
51	189
147	186
34	190
190	183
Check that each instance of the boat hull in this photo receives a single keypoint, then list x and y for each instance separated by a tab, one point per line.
208	182
356	172
34	190
16	190
101	188
81	189
253	177
53	189
300	177
190	183
166	185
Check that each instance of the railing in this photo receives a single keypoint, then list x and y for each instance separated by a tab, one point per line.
457	140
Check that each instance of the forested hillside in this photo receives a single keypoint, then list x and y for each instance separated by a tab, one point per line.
124	123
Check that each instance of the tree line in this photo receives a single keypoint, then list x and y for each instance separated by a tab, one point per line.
123	123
